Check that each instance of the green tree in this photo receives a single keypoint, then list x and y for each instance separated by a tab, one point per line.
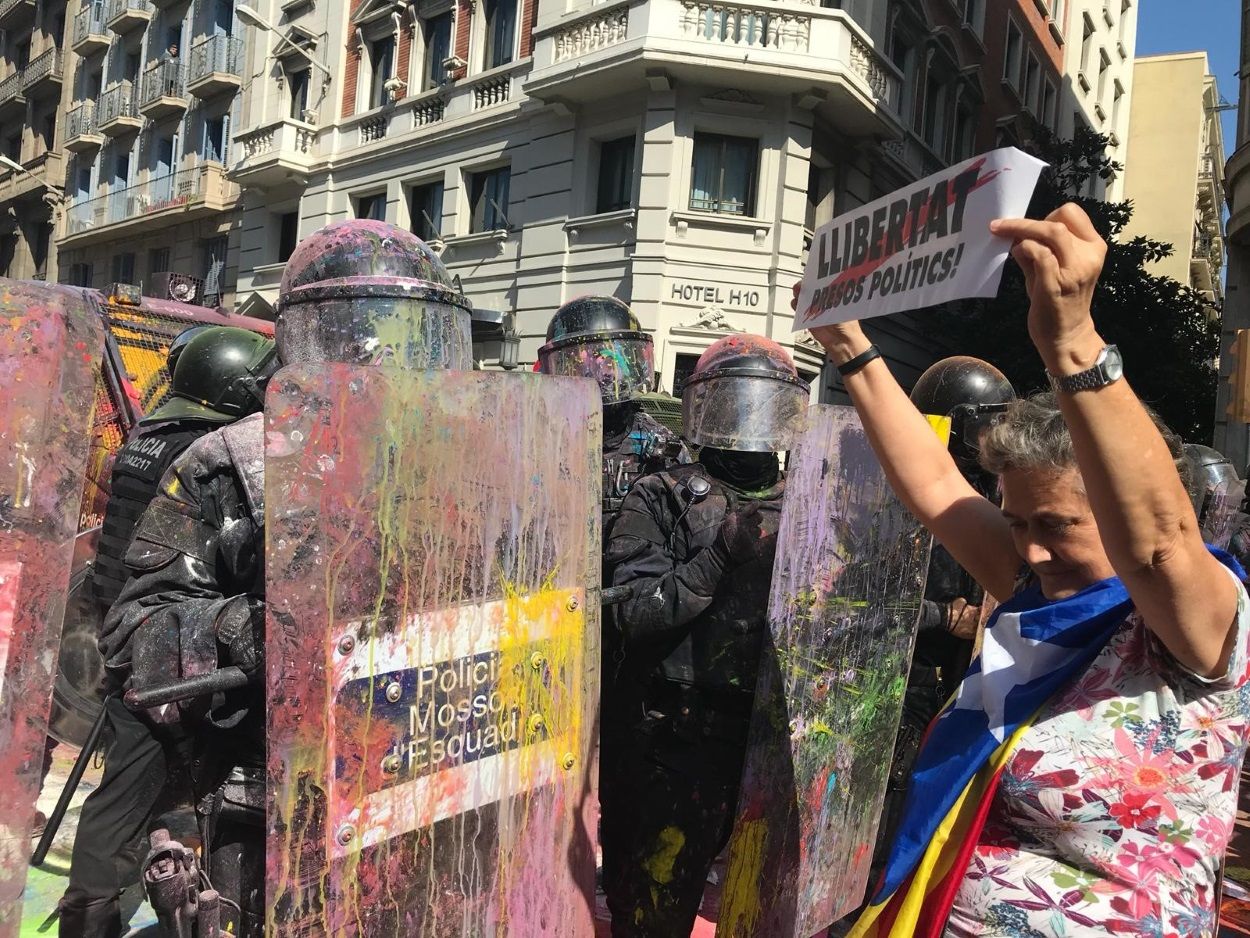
1167	331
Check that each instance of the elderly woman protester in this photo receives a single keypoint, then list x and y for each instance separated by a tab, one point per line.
1084	779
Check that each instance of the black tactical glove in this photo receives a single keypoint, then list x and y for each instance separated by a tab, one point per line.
241	631
745	536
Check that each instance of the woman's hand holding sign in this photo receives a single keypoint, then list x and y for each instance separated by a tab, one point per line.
1061	257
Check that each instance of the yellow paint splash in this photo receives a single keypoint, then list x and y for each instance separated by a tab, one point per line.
660	864
740	900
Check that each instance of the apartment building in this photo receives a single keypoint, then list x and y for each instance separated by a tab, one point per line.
155	87
1232	432
1100	37
32	70
1175	170
674	153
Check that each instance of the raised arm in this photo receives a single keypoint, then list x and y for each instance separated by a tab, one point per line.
1145	521
921	471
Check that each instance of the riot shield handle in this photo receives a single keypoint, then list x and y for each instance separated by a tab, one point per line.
615	594
202	685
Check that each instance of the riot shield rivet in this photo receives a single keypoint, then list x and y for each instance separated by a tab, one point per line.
537	660
568	761
394	691
572	604
391	764
347	644
536	723
345	835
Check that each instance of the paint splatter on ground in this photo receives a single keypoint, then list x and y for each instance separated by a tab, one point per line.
46	884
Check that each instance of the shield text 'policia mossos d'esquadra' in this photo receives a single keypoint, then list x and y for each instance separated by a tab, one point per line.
431	651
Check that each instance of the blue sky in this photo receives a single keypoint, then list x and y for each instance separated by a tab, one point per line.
1213	25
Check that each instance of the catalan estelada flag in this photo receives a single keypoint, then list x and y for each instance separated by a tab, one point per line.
1032	648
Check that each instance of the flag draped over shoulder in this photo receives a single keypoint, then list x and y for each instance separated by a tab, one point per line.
1032	648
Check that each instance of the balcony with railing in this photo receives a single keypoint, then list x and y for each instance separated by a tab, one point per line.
185	195
1206	260
82	134
118	112
163	90
428	111
15	13
33	182
274	154
753	46
12	100
123	16
216	66
43	75
90	34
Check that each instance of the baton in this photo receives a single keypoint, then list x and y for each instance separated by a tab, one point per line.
202	685
71	785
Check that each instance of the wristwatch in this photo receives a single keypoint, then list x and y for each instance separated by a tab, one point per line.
1107	369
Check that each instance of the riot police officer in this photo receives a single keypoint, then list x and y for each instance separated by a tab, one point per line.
360	292
696	545
218	376
973	394
221	379
599	337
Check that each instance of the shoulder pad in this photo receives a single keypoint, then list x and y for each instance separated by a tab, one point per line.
245	442
204	457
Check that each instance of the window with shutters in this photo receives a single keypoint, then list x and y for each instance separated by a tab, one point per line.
436	34
1087	43
371	206
1013	55
216	139
616	174
297	88
723	175
288	235
123	267
425	205
81	274
381	68
488	199
499	47
158	261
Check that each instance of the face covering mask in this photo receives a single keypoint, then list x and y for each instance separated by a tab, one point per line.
741	469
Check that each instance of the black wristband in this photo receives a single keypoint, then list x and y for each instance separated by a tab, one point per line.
859	361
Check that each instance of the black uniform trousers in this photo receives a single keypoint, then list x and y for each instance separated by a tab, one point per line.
669	801
111	841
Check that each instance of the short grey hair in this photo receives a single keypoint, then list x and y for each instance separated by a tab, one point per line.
1033	436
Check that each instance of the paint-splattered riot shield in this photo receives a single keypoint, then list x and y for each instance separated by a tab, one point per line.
1221	511
432	652
49	345
845	602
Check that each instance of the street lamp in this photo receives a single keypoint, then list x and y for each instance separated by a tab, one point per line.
509	350
249	16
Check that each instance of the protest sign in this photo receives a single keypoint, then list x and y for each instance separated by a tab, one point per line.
922	245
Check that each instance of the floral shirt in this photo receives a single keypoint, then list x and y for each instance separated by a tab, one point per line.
1113	814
